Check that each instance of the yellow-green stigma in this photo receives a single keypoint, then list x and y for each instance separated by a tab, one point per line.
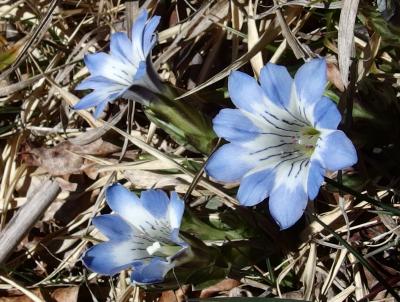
307	140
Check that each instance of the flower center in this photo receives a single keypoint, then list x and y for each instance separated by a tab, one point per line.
163	250
307	140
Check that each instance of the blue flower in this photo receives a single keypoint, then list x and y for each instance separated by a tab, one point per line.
282	138
112	74
143	235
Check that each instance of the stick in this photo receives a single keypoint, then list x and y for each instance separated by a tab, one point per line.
26	217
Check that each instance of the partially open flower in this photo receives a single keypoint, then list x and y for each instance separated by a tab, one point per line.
143	235
282	139
128	73
112	74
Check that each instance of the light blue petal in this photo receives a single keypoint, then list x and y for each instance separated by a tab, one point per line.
121	47
310	81
137	36
100	107
110	67
175	211
100	258
92	99
95	82
113	226
139	25
287	204
315	178
151	273
149	39
229	163
336	151
232	125
140	215
277	84
95	63
121	200
254	188
326	114
156	202
245	92
141	71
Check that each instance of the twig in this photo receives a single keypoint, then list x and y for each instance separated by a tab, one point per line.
25	291
361	259
26	217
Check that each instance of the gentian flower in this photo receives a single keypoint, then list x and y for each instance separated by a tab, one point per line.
128	73
143	235
282	138
112	74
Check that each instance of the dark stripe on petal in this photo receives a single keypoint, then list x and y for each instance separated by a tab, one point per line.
125	72
271	147
277	134
122	78
292	123
304	112
151	226
144	258
277	127
296	118
281	154
286	121
272	115
307	160
293	164
286	160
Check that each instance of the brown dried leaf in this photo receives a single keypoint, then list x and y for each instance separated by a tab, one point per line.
65	158
333	74
65	294
145	179
178	295
222	286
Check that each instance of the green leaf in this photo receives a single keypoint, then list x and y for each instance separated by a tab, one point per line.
10	54
205	231
184	121
372	18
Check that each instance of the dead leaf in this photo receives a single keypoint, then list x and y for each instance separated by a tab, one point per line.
145	179
176	296
333	73
168	296
346	49
253	37
222	286
64	294
65	158
296	295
